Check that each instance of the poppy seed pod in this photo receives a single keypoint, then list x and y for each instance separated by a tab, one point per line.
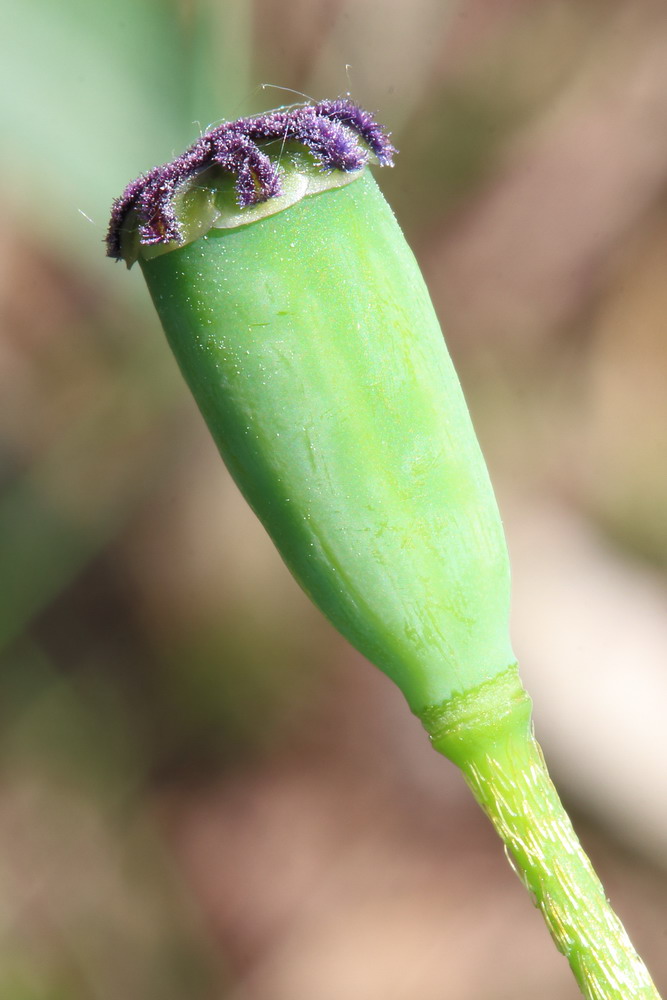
303	326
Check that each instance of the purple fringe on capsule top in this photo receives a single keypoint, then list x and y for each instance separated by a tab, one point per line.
330	130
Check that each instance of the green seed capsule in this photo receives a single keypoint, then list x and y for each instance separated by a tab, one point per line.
311	346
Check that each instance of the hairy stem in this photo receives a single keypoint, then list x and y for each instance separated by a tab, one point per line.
509	779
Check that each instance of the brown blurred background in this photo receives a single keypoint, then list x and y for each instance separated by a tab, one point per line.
204	792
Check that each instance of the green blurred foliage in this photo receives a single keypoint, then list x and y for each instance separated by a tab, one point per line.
100	92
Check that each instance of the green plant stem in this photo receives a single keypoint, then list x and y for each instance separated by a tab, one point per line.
504	766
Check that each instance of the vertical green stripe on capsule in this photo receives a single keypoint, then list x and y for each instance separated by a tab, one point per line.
311	346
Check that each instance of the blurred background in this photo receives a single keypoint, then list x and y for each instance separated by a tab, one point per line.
204	792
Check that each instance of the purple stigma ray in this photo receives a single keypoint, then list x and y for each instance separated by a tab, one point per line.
331	130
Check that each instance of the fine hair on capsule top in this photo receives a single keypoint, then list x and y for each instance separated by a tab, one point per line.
338	133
